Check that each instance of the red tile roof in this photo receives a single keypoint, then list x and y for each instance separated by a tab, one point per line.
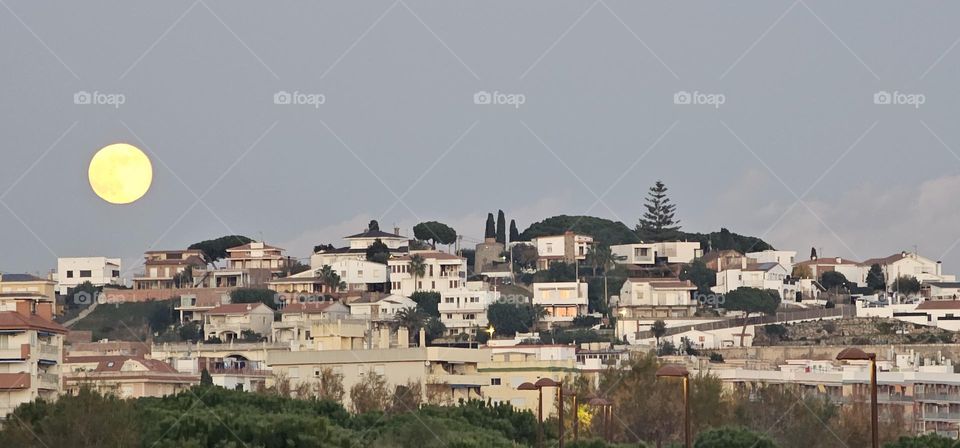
12	320
115	363
939	305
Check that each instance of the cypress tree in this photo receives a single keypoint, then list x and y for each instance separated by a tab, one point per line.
501	228
491	230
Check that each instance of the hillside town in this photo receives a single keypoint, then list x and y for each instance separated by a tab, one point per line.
570	300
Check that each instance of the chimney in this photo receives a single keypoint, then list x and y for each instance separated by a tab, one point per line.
45	310
939	267
396	231
423	337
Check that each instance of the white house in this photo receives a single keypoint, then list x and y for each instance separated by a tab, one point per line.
568	248
378	307
359	275
357	245
785	257
228	322
909	264
464	309
656	297
649	253
562	300
443	273
297	319
941	290
759	275
100	271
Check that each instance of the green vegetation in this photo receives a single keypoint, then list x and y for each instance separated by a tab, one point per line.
658	222
509	319
726	240
751	301
378	252
501	230
216	249
699	274
427	302
906	284
133	321
603	231
254	295
875	278
435	232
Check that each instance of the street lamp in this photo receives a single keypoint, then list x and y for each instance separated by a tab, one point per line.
576	412
855	354
547	382
606	415
677	371
531	386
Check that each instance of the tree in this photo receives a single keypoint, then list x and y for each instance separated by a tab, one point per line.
254	295
659	328
603	231
658	222
801	271
184	279
205	378
833	281
330	386
378	252
410	318
427	302
330	279
751	301
84	420
491	229
418	268
373	226
322	248
370	395
875	278
514	233
931	440
728	437
216	249
501	230
601	255
524	256
906	284
508	319
699	274
435	232
293	267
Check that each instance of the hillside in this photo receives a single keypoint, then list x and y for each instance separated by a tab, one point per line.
127	321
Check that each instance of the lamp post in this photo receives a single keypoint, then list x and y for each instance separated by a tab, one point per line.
531	386
576	412
676	371
855	354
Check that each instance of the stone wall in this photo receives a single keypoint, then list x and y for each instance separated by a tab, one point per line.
777	355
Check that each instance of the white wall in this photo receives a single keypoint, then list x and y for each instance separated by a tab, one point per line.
101	272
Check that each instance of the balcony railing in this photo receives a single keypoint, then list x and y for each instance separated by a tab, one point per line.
942	416
48	380
48	349
933	396
10	353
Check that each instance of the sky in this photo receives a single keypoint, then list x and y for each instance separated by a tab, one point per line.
807	123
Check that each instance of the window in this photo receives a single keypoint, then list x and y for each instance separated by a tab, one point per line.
116	274
69	274
433	285
86	274
360	274
449	316
549	248
494	381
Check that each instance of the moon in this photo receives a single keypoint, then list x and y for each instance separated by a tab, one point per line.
120	173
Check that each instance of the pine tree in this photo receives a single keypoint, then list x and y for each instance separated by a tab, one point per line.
514	233
658	223
875	278
501	228
491	230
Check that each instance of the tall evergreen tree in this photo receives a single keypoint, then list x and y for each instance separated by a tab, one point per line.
514	233
875	278
373	226
501	227
658	222
491	230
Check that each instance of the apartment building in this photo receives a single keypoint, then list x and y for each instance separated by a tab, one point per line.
769	275
124	376
162	267
465	309
563	301
446	375
230	322
569	247
31	353
655	298
379	307
357	245
443	273
257	255
28	285
297	320
358	275
99	271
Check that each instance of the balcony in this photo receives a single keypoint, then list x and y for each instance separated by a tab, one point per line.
943	397
7	354
459	380
48	380
942	416
49	351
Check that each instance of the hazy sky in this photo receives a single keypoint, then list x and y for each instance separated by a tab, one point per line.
399	137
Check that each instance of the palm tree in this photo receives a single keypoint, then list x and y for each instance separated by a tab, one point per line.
659	328
411	318
601	255
418	268
330	279
537	312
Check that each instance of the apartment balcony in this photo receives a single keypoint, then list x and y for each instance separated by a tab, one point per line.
938	397
463	323
953	417
12	354
455	380
48	381
49	351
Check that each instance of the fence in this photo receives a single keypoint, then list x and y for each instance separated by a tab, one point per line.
780	317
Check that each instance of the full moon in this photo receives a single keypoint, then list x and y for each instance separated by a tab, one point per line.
120	173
